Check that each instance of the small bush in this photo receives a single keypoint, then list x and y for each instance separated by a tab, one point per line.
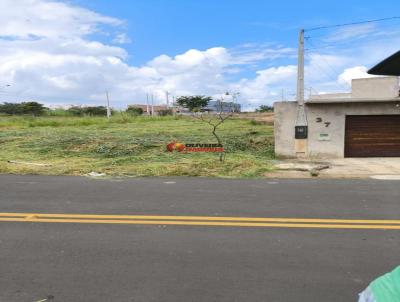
165	112
132	110
255	123
265	108
90	110
95	110
76	111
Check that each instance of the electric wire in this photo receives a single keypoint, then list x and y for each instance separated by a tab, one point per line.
334	70
351	23
332	77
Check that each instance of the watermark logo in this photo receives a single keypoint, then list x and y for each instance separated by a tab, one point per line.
179	147
174	146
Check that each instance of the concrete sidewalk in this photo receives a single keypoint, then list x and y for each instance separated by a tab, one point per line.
379	168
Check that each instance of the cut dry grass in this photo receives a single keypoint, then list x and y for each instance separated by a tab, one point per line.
131	146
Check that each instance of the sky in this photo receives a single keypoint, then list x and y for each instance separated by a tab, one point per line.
72	52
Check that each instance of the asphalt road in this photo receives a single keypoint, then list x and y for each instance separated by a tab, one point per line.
124	262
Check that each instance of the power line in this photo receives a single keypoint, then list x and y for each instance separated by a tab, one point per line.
328	69
326	44
381	26
329	74
334	70
352	23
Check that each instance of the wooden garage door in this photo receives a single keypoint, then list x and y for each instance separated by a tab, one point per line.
372	136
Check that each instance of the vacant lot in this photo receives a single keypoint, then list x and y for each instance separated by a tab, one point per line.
131	146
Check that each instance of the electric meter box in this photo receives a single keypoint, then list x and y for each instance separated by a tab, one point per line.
301	132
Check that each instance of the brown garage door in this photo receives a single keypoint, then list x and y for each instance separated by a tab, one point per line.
372	136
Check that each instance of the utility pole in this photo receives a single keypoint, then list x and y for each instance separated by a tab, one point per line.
301	127
152	104
167	98
300	70
108	106
236	94
147	104
173	105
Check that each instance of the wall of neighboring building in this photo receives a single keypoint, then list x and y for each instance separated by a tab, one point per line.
324	96
284	122
326	125
377	87
366	88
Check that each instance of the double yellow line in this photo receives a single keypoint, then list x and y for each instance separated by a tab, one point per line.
205	221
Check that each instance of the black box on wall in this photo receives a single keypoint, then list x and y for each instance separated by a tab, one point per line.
301	132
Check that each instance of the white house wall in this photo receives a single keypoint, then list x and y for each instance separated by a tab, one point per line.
326	126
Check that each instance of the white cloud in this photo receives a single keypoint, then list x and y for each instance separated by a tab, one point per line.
356	72
264	86
351	32
122	38
47	53
253	52
51	19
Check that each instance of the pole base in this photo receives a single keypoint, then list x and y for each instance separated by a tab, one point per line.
300	146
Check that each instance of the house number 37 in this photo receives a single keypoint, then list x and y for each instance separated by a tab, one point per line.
319	120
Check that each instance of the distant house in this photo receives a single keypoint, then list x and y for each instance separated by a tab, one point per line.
213	106
156	108
218	106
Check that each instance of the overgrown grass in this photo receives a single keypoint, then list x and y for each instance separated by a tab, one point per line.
131	146
70	121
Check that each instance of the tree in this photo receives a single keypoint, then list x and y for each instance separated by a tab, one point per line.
33	108
216	120
265	108
91	110
132	110
11	108
193	103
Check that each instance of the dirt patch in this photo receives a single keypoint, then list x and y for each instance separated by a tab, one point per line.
263	118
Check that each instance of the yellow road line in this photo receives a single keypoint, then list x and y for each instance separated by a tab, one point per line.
37	216
207	223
